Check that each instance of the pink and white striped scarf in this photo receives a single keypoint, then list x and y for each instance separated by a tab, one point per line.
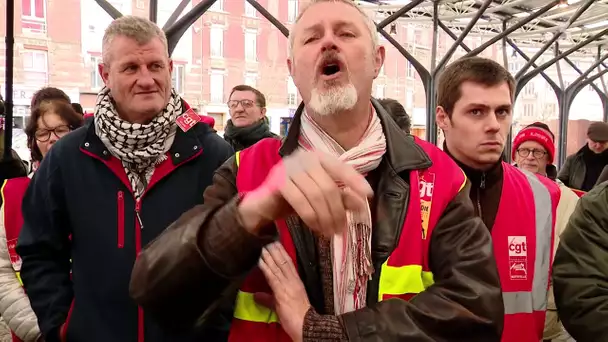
351	250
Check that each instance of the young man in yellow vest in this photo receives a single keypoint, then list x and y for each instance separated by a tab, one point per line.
475	103
378	237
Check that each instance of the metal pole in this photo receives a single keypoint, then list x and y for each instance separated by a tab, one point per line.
425	75
8	101
558	67
173	17
153	10
396	15
505	57
274	21
562	142
565	54
580	72
431	124
176	31
111	10
555	37
463	34
513	28
602	80
506	153
453	35
553	85
586	73
592	78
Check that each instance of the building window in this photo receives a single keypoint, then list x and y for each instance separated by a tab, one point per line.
35	67
379	93
410	33
409	99
292	10
96	80
217	6
292	93
529	89
216	86
410	70
178	78
418	36
217	41
250	11
551	110
251	46
528	110
33	16
251	79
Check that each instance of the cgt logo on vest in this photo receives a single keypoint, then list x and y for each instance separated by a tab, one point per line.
518	257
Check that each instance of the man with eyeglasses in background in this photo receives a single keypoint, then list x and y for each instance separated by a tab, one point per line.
534	150
248	123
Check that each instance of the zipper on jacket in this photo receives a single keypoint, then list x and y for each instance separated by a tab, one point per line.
121	219
137	211
479	203
482	185
140	311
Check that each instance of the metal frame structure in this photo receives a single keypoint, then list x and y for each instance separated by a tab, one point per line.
568	27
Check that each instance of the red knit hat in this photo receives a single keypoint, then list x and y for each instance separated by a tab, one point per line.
538	134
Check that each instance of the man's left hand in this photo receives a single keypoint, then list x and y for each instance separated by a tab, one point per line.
289	299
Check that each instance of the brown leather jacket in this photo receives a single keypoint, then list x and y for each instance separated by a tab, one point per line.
205	254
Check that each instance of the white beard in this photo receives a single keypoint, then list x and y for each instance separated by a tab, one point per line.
333	100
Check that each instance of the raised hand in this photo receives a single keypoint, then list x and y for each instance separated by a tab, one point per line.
306	183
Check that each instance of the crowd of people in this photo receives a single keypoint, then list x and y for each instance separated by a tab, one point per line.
140	223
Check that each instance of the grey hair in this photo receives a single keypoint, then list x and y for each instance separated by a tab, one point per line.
371	25
140	29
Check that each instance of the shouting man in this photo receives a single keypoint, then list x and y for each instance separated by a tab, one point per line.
376	237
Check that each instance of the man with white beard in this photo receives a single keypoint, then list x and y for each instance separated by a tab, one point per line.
349	229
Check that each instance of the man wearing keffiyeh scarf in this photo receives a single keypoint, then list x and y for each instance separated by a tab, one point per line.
109	188
139	146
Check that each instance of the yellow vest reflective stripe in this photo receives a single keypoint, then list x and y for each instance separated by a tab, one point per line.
405	279
404	274
247	309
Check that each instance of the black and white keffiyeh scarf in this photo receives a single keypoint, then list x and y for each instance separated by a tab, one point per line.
139	146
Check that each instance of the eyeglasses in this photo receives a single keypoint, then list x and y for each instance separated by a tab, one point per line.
43	135
525	152
232	104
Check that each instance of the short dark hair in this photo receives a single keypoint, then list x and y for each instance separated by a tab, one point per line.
259	97
78	108
61	108
48	94
469	69
398	113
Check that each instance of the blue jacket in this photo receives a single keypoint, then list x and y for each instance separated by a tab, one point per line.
80	207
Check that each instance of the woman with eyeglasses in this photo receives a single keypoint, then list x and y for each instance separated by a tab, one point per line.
49	122
534	150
